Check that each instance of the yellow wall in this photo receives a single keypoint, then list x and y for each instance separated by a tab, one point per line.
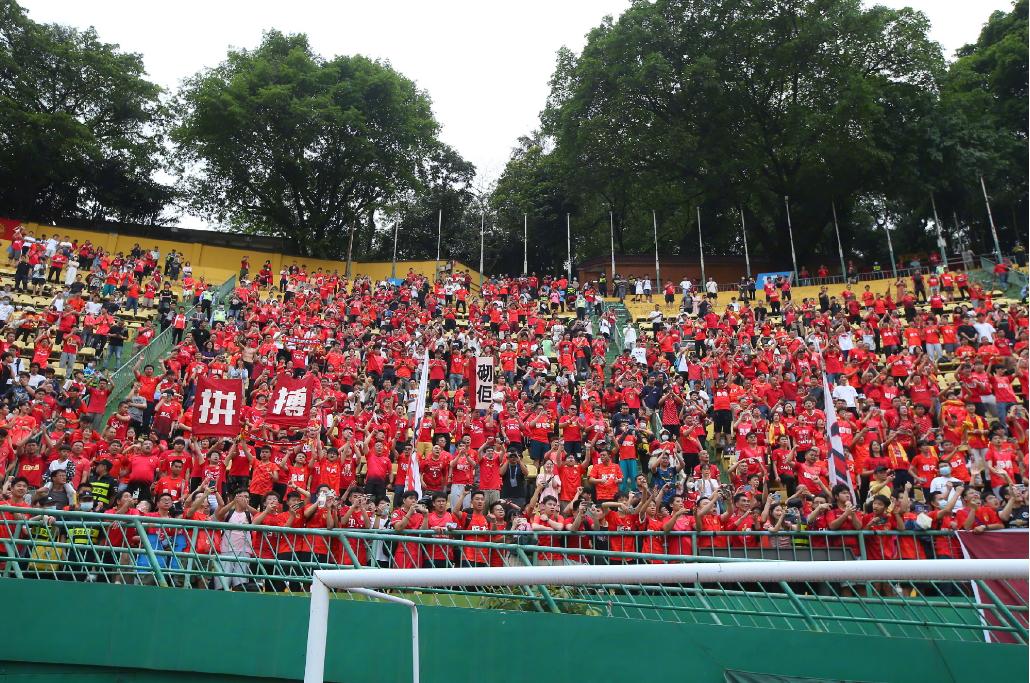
216	264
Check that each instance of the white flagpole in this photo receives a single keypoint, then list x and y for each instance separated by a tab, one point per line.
568	242
790	232
439	235
525	244
413	482
743	231
393	266
611	225
990	219
941	244
840	248
701	249
890	247
657	267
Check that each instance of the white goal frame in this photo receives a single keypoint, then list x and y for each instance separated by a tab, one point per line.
364	581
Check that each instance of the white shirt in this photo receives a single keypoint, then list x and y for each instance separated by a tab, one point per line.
639	354
984	331
846	393
629	336
846	341
685	286
712	286
938	483
94	307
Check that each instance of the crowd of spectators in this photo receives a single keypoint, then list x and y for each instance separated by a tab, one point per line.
711	419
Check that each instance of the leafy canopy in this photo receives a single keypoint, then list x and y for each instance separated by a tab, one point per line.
80	126
279	141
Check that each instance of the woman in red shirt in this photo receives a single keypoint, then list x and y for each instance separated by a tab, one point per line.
706	518
680	521
880	547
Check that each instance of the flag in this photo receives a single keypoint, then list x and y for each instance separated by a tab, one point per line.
216	410
1001	544
484	391
838	460
413	479
290	402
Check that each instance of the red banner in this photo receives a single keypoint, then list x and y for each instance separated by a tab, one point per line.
1011	544
8	225
290	402
216	407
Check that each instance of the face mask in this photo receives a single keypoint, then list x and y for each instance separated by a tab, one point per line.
945	471
86	507
665	437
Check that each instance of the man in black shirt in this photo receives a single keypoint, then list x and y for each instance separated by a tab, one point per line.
1015	514
165	299
115	341
102	485
824	300
966	332
21	275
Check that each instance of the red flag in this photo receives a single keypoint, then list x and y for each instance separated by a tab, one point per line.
290	402
1009	544
216	407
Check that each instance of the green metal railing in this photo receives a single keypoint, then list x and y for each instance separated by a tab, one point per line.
84	546
1016	279
155	352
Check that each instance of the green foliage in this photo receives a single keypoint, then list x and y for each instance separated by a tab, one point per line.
562	595
279	141
983	130
79	126
733	104
724	104
417	215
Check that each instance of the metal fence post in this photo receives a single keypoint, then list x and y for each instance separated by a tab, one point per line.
544	593
159	574
800	606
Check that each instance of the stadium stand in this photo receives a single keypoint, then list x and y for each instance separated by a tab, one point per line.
616	431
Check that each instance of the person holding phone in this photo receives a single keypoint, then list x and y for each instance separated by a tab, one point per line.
408	516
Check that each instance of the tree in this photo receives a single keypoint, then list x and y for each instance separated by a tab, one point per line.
533	185
738	103
417	216
982	130
79	126
279	141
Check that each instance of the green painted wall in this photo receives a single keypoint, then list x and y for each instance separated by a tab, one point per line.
117	633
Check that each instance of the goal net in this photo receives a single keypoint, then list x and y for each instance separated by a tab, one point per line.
643	578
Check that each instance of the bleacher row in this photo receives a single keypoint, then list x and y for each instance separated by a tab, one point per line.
639	310
40	303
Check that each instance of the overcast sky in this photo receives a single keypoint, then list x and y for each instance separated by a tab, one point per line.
485	63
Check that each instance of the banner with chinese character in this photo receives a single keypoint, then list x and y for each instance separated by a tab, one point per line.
216	407
290	402
484	382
